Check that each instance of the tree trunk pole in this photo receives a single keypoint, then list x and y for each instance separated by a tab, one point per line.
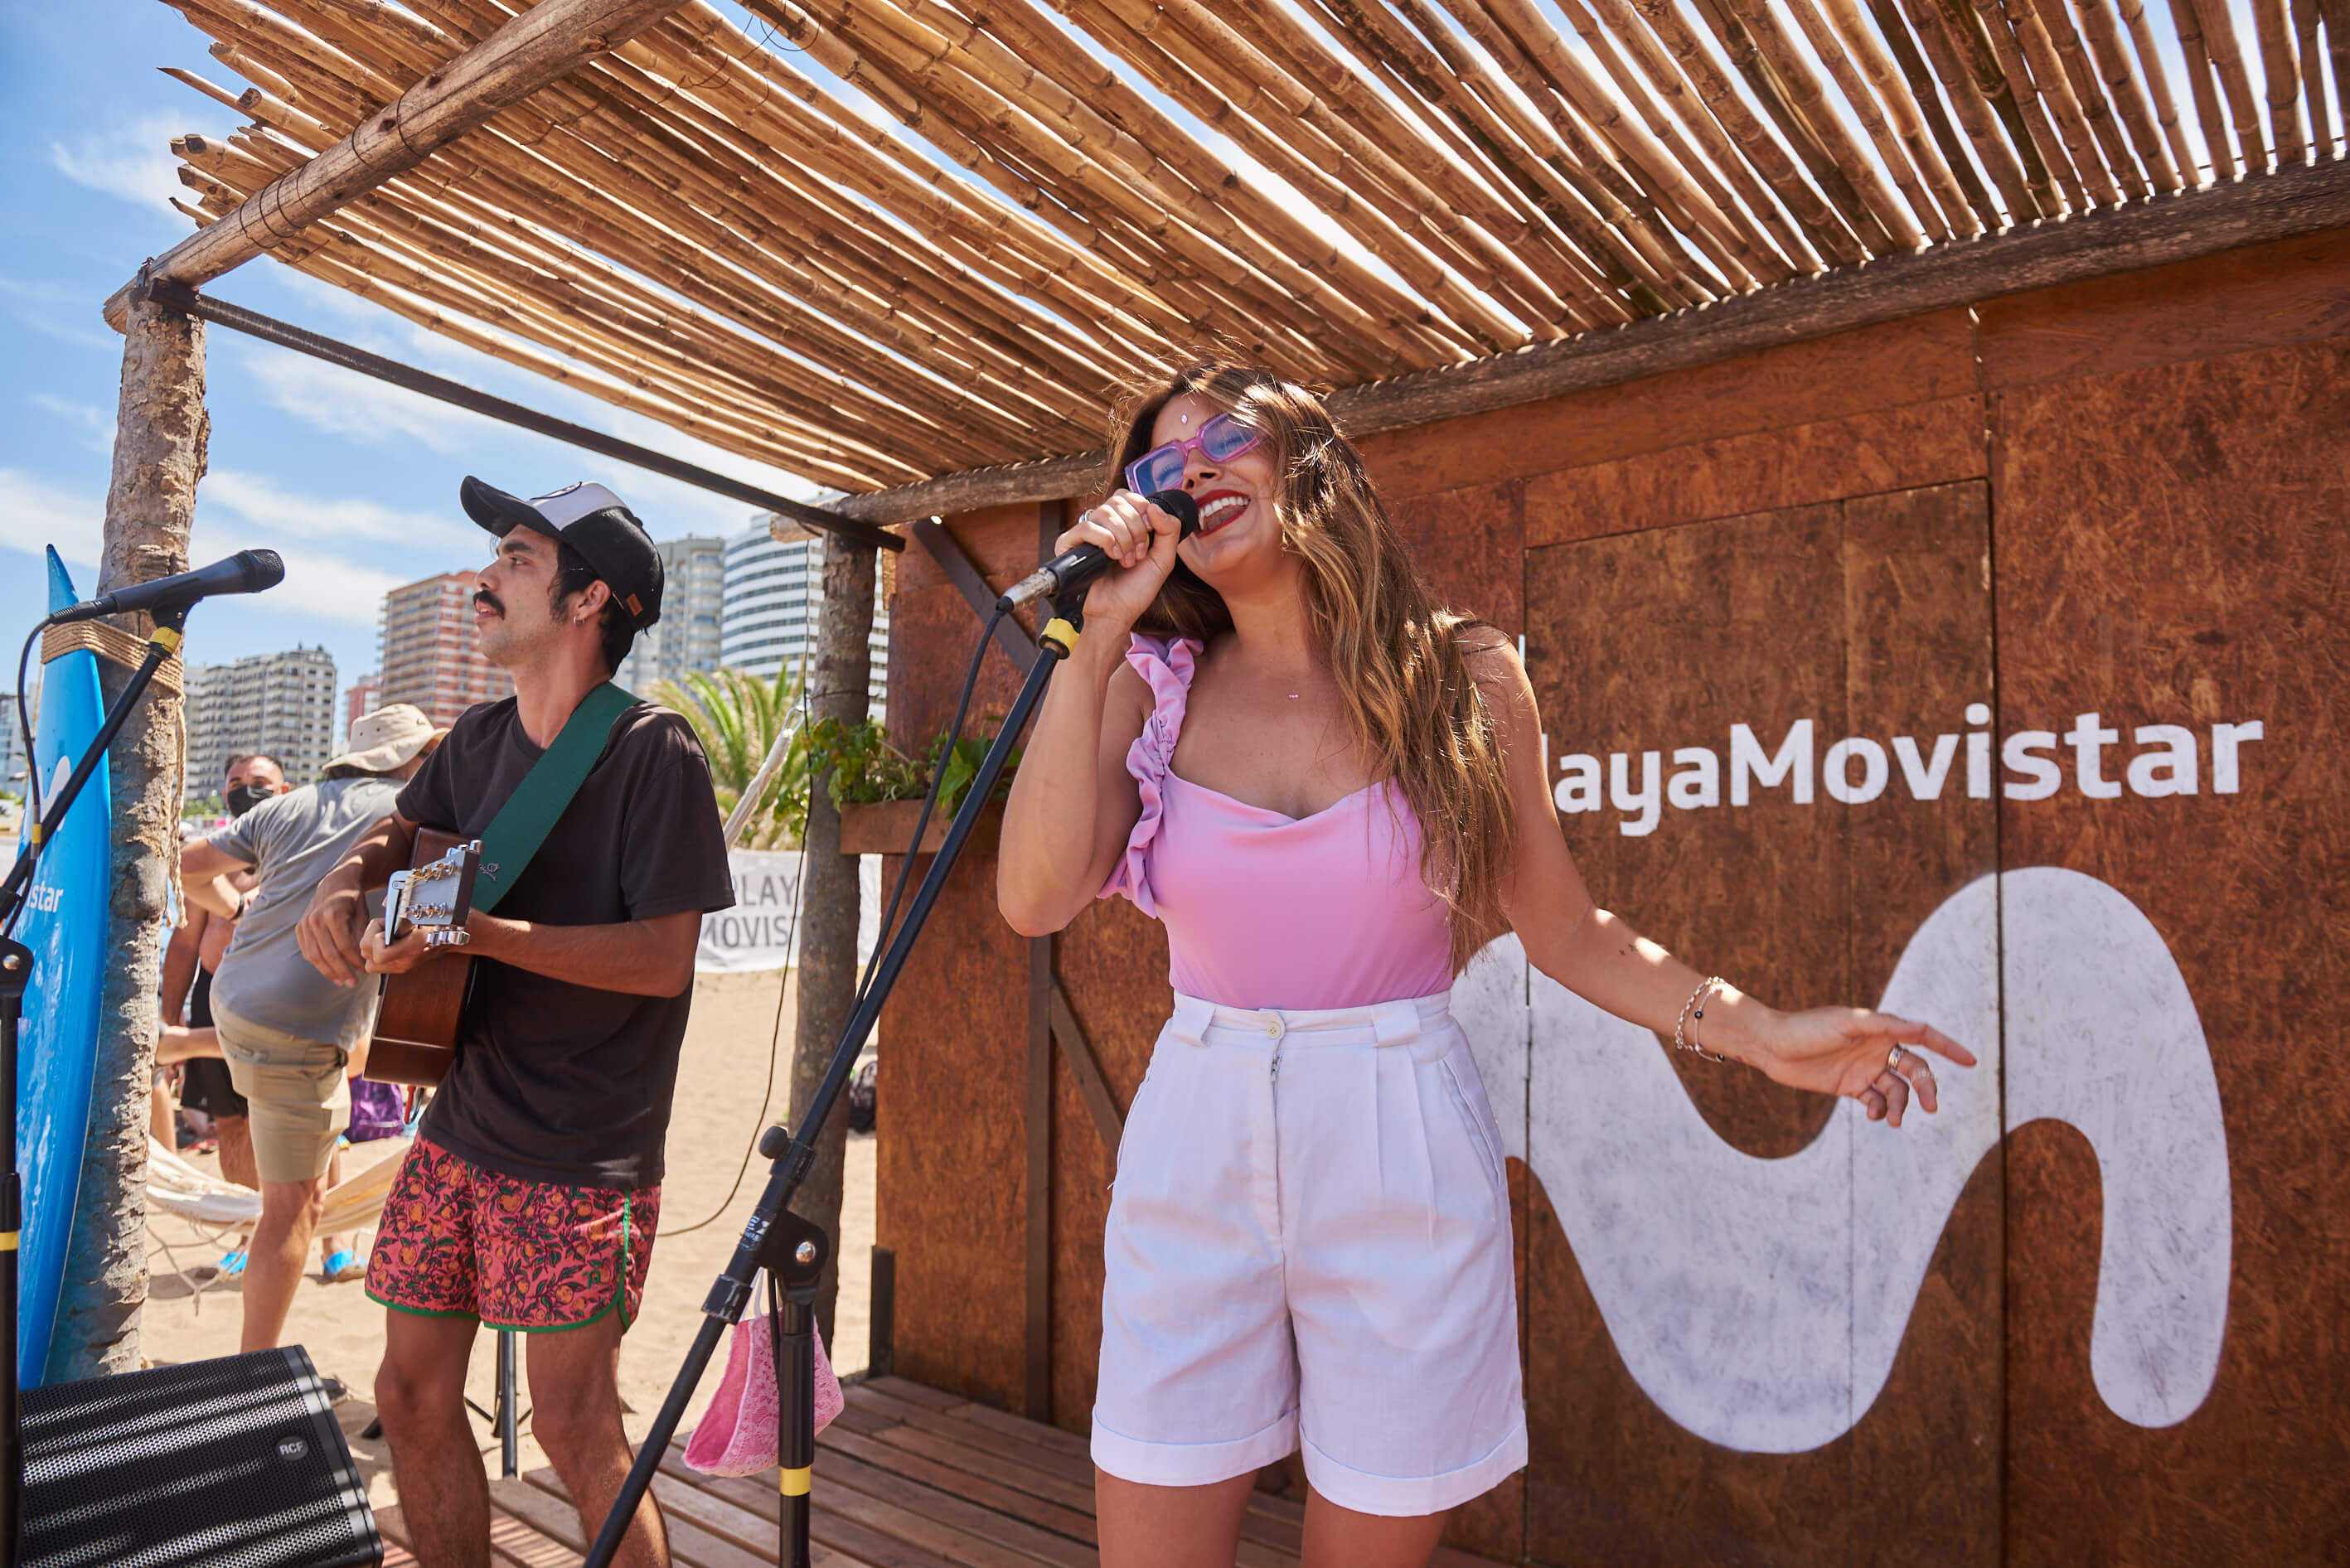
828	980
161	434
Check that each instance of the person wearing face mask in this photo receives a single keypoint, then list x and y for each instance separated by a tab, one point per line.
189	962
287	1034
188	1036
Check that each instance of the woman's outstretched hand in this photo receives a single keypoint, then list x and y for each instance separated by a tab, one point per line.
1141	539
1872	1058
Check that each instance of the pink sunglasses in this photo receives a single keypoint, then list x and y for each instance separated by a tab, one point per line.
1221	439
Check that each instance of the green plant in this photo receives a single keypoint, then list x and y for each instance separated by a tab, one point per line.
736	716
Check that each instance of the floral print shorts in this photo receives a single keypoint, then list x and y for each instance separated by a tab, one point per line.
460	1241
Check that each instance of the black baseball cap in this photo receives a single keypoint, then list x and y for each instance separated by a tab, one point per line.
591	520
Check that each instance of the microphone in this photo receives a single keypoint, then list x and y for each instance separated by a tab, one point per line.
1073	568
246	572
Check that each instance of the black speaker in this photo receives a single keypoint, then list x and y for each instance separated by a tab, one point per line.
233	1463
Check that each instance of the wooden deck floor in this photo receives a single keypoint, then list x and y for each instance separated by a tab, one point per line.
907	1477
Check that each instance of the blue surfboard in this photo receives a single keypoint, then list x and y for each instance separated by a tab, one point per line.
65	925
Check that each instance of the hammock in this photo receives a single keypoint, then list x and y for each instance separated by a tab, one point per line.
176	1187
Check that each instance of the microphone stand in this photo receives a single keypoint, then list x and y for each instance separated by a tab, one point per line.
793	1250
16	974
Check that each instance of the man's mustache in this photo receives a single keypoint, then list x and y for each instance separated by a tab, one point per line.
483	596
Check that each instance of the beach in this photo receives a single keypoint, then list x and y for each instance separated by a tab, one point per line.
728	1045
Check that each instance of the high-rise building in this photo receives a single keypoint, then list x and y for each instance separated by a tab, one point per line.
686	638
360	700
772	588
425	651
281	703
14	764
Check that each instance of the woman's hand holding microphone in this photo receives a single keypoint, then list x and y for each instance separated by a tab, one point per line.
1141	538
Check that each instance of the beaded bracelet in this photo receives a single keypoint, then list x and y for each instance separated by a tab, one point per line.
1694	1008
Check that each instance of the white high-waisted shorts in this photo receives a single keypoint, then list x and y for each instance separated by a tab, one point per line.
1310	1242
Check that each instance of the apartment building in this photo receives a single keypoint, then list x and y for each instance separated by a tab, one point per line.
425	651
687	636
281	703
772	588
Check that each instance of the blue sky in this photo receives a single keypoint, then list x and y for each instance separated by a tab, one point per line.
353	481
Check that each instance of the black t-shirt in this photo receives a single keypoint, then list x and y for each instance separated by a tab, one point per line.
557	1082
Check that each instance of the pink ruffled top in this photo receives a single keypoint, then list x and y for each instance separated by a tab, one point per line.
1264	910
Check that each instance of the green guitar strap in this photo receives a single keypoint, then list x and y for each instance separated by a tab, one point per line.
530	814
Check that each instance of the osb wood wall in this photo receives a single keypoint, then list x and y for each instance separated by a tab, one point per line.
2125	498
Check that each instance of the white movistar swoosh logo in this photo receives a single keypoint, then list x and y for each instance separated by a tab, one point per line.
1760	1301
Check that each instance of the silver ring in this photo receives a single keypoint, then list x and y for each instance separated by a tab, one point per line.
1893	1060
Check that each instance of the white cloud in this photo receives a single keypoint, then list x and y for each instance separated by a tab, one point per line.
329	587
270	507
132	162
343	402
97	425
318	584
34	512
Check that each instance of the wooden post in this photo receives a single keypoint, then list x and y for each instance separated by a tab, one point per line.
161	434
837	684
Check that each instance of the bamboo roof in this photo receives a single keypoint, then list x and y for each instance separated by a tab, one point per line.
871	242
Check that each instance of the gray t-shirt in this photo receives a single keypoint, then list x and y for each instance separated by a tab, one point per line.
293	841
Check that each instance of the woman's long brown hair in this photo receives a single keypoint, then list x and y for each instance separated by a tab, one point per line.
1416	714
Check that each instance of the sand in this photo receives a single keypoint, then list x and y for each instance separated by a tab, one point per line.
727	1048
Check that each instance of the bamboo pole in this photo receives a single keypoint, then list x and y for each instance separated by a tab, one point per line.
1909	124
1580	263
2281	72
962	67
1810	100
2157	85
951	395
1741	191
2054	85
1464	210
2228	59
1651	86
1545	67
1892	149
534	49
1348	334
2088	91
1746	59
1972	41
1618	153
1391	55
1592	169
1920	76
1820	222
2337	43
2187	21
2306	21
2102	28
1581	200
1972	108
2053	158
1240	105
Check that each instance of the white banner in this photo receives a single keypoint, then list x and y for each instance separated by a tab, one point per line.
761	930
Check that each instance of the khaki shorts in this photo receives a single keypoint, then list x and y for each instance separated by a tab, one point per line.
299	1101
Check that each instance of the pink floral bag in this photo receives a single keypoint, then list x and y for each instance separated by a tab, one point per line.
737	1434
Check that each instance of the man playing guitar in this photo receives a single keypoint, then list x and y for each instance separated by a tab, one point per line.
530	1199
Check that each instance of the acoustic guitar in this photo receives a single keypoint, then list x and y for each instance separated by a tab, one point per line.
417	1014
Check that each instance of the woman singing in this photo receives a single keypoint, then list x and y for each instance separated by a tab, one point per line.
1331	793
